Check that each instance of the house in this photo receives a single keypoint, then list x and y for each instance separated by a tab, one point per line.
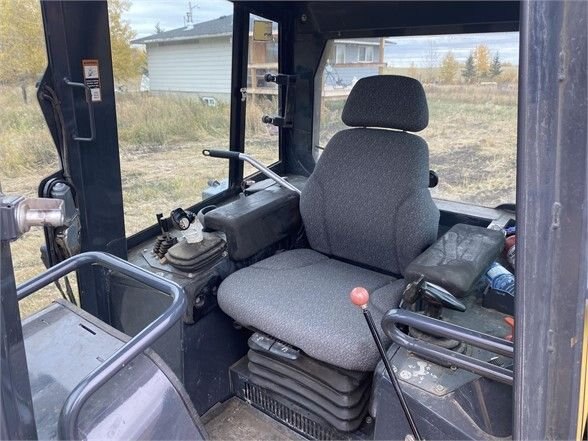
196	59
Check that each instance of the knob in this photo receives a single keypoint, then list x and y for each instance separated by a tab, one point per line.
359	297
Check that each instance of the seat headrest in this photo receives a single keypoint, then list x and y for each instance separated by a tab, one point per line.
388	101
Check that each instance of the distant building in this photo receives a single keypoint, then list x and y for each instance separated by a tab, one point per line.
196	59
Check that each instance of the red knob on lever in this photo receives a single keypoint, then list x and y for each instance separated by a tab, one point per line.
359	297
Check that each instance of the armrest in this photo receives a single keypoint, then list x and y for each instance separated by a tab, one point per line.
458	258
257	221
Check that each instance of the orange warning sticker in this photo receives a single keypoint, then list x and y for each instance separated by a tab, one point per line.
92	79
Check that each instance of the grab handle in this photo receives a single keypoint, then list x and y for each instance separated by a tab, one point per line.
88	93
441	355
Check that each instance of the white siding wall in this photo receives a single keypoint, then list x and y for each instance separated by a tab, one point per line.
202	67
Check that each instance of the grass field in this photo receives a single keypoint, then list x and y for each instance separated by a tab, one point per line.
472	139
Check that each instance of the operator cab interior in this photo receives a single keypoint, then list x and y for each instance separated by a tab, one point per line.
276	262
327	292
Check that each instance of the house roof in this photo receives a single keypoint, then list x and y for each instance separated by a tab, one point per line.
215	28
212	28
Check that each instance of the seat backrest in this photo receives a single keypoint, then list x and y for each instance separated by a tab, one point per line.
367	199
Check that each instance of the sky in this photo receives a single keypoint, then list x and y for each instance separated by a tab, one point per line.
402	51
143	15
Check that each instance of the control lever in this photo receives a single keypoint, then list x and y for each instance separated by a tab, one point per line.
434	296
360	297
228	154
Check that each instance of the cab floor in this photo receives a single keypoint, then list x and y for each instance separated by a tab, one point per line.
236	420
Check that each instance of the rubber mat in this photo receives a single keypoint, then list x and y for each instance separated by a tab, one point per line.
236	420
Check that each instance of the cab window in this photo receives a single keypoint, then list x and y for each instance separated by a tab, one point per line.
471	85
261	140
173	100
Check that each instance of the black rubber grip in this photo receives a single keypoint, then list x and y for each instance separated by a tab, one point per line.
227	154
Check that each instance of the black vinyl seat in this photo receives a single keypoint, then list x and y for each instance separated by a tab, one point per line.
366	202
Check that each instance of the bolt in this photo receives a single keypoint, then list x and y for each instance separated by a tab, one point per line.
439	389
303	18
368	420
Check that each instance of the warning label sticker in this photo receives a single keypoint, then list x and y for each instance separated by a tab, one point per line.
92	78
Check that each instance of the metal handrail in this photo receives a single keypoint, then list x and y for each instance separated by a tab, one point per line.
441	355
68	418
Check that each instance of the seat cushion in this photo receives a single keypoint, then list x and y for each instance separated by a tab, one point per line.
302	298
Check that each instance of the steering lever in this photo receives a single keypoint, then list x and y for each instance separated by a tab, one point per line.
434	296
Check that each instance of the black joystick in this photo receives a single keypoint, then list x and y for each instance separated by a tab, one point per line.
434	299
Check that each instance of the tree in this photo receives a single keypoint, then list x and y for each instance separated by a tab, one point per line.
449	68
158	28
127	62
431	62
482	59
496	67
22	45
413	71
469	71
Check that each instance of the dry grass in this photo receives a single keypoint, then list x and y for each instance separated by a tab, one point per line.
472	137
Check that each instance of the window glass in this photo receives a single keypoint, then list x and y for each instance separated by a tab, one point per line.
261	140
172	68
27	152
340	54
471	86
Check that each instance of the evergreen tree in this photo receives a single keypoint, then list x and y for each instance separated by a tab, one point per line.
469	71
496	67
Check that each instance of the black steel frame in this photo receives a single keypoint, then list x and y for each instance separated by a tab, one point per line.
77	30
17	420
552	213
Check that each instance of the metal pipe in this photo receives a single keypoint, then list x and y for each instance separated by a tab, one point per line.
269	173
228	154
445	329
445	356
68	418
